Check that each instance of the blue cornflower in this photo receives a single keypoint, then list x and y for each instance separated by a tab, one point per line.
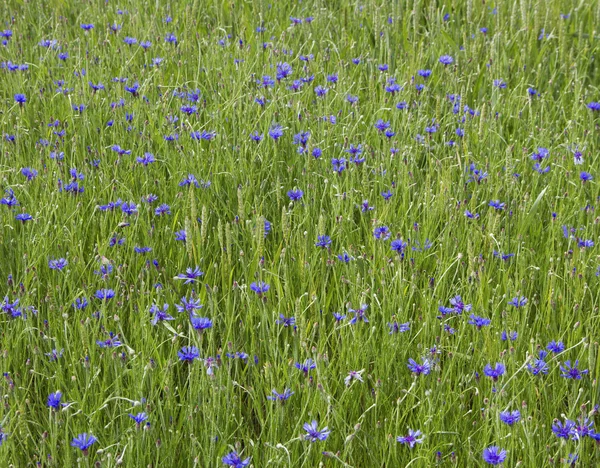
424	73
494	372
321	91
359	314
398	245
510	418
295	195
396	327
276	131
585	176
20	99
54	400
58	264
419	369
323	242
233	459
282	397
479	322
148	158
572	371
518	301
556	346
563	431
306	366
133	89
260	287
83	442
104	294
494	455
188	306
159	315
382	233
387	195
190	275
411	439
344	257
139	418
189	180
382	125
338	317
285	321
313	434
506	336
496	204
188	353
171	38
111	342
29	173
446	60
201	323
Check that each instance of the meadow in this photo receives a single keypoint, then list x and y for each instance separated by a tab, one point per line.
299	233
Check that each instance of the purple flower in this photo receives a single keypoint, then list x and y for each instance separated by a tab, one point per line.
411	439
83	442
313	434
585	176
285	321
563	431
159	315
494	455
260	287
518	301
323	242
295	195
419	369
494	372
556	346
54	400
188	353
139	418
190	275
200	323
446	60
57	264
510	418
359	314
479	322
282	397
233	459
306	366
572	371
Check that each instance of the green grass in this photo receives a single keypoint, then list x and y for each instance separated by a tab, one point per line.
195	419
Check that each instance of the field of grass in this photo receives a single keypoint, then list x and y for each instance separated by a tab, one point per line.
222	221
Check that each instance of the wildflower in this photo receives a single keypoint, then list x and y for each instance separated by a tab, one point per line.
572	371
585	176
276	131
512	335
233	459
353	375
518	301
139	418
344	258
295	195
83	442
459	306
188	306
104	294
111	342
20	99
158	314
411	439
190	275
538	366
382	125
260	287
496	204
282	397
479	322
57	264
398	245
563	431
446	60
494	455
359	314
148	158
321	91
201	323
510	418
494	372
556	346
419	369
188	353
323	242
306	366
396	327
382	232
54	400
313	434
285	321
